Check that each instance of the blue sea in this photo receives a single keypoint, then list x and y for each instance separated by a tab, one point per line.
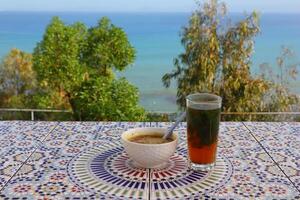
156	37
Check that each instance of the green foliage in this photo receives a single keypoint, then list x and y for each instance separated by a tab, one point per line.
49	99
75	66
217	60
105	99
279	96
161	117
17	79
107	48
56	57
5	115
19	89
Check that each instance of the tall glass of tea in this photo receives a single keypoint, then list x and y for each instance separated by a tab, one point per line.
203	118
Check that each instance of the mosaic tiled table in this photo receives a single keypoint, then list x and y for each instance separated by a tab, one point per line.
85	160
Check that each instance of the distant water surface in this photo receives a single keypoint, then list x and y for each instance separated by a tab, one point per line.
156	37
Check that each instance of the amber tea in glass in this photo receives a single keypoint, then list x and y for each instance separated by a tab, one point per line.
203	118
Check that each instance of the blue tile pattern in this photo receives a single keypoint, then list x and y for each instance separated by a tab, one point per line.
17	141
85	160
282	141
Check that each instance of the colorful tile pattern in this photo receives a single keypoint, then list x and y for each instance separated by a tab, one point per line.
17	141
49	179
252	176
282	142
86	161
107	170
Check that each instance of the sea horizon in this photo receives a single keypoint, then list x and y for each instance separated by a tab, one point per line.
156	37
141	12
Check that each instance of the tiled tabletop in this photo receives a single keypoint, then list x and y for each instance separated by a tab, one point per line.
85	160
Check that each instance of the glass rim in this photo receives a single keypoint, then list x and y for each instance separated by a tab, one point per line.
217	99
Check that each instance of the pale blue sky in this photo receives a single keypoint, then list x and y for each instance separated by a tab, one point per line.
282	6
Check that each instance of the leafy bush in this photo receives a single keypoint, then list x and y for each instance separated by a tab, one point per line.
105	99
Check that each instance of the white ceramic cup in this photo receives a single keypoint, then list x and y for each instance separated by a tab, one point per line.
148	155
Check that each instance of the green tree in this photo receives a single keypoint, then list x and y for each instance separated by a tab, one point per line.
105	99
71	58
217	59
107	48
56	59
19	88
17	79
